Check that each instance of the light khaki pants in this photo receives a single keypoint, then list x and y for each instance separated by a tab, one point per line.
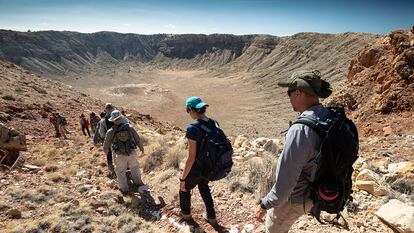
283	217
122	162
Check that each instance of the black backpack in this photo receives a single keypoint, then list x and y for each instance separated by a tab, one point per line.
215	155
332	185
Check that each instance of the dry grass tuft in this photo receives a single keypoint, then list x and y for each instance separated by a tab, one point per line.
174	156
127	223
3	205
166	175
52	151
51	168
58	177
156	153
403	186
253	176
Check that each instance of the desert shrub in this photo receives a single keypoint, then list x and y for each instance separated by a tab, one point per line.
8	98
403	186
60	225
52	151
127	223
116	209
32	227
51	168
267	179
58	177
30	195
40	162
165	175
174	156
352	206
154	158
3	205
253	176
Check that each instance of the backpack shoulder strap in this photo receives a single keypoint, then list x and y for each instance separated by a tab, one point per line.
319	126
203	126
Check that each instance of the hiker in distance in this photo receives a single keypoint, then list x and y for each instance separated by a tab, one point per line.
84	123
192	173
124	140
289	197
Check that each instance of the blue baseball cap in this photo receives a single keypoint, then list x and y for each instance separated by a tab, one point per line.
194	102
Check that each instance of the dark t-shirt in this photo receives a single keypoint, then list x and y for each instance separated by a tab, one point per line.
194	132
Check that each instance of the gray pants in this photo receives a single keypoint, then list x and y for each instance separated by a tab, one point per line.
122	162
282	218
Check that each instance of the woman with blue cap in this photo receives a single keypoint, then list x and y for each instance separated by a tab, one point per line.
191	175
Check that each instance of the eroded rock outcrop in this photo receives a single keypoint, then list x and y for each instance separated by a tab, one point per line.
380	81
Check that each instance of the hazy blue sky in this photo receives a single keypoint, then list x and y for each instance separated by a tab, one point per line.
207	16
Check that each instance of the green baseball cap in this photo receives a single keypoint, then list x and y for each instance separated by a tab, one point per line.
194	102
309	82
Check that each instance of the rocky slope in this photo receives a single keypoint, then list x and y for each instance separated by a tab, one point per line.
380	85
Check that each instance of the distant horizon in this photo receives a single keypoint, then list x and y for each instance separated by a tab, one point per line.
236	17
261	34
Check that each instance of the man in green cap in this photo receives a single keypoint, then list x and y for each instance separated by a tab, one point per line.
289	196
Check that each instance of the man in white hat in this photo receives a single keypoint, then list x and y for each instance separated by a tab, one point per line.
124	140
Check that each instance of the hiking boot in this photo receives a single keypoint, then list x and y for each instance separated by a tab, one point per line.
186	217
142	188
212	221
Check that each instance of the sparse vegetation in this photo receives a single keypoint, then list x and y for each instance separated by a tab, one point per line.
3	205
156	153
51	168
403	186
174	156
58	177
8	98
255	176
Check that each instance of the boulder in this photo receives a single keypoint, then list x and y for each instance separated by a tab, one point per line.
271	146
398	215
11	139
400	170
372	183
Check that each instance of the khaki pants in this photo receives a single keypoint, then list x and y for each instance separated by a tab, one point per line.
283	217
122	162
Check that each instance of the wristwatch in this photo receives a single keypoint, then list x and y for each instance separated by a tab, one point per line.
262	205
182	180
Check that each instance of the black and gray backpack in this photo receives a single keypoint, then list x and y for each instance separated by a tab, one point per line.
215	157
332	186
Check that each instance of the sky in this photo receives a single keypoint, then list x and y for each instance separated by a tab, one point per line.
274	17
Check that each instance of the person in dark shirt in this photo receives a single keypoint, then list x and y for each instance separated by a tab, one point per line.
191	175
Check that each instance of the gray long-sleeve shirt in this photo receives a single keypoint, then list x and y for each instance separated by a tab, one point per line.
295	166
109	137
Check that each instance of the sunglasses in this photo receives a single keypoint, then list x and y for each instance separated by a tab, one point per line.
290	91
